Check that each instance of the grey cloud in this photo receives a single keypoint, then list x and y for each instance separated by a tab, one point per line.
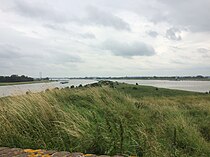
54	55
40	10
22	64
193	14
88	36
204	52
153	34
128	49
173	34
99	17
12	52
61	28
56	27
8	51
66	58
46	12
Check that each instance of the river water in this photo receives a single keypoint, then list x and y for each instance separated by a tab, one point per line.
198	86
38	87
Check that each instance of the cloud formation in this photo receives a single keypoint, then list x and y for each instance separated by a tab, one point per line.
44	11
35	9
8	51
99	17
96	37
153	34
192	14
128	49
204	52
173	34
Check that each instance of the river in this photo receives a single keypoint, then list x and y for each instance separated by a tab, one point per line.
38	87
197	86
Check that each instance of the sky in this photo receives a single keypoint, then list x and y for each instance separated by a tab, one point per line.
104	37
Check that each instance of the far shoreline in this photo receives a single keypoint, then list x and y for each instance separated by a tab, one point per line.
20	83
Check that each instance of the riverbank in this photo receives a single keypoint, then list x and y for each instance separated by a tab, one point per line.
19	83
109	118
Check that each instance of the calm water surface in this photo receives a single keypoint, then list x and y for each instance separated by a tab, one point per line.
197	86
38	87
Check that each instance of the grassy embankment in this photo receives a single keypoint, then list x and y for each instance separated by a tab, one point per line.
126	119
18	83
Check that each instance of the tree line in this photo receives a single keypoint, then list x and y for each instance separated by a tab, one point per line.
15	78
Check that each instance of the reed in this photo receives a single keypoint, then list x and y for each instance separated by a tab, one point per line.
107	120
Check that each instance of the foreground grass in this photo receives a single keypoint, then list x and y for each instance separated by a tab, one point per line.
18	83
109	119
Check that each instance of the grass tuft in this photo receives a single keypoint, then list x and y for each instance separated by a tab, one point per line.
109	119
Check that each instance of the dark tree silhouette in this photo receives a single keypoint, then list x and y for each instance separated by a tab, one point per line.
15	78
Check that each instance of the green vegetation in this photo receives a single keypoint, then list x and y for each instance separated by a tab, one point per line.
148	91
109	118
15	78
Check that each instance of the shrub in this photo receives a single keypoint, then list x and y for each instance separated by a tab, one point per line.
47	90
108	121
28	92
56	88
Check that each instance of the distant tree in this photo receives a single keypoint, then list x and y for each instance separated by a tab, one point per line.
200	76
15	78
46	78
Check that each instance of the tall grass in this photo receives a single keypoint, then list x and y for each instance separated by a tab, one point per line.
103	120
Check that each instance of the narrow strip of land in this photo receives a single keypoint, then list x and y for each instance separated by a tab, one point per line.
19	83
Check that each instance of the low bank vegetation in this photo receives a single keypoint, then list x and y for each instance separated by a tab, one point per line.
109	118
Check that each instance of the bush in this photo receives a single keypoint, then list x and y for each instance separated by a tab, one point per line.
47	90
109	121
56	88
28	92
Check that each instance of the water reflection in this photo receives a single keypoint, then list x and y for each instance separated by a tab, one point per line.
38	87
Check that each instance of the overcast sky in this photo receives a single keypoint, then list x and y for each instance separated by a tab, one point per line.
104	37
